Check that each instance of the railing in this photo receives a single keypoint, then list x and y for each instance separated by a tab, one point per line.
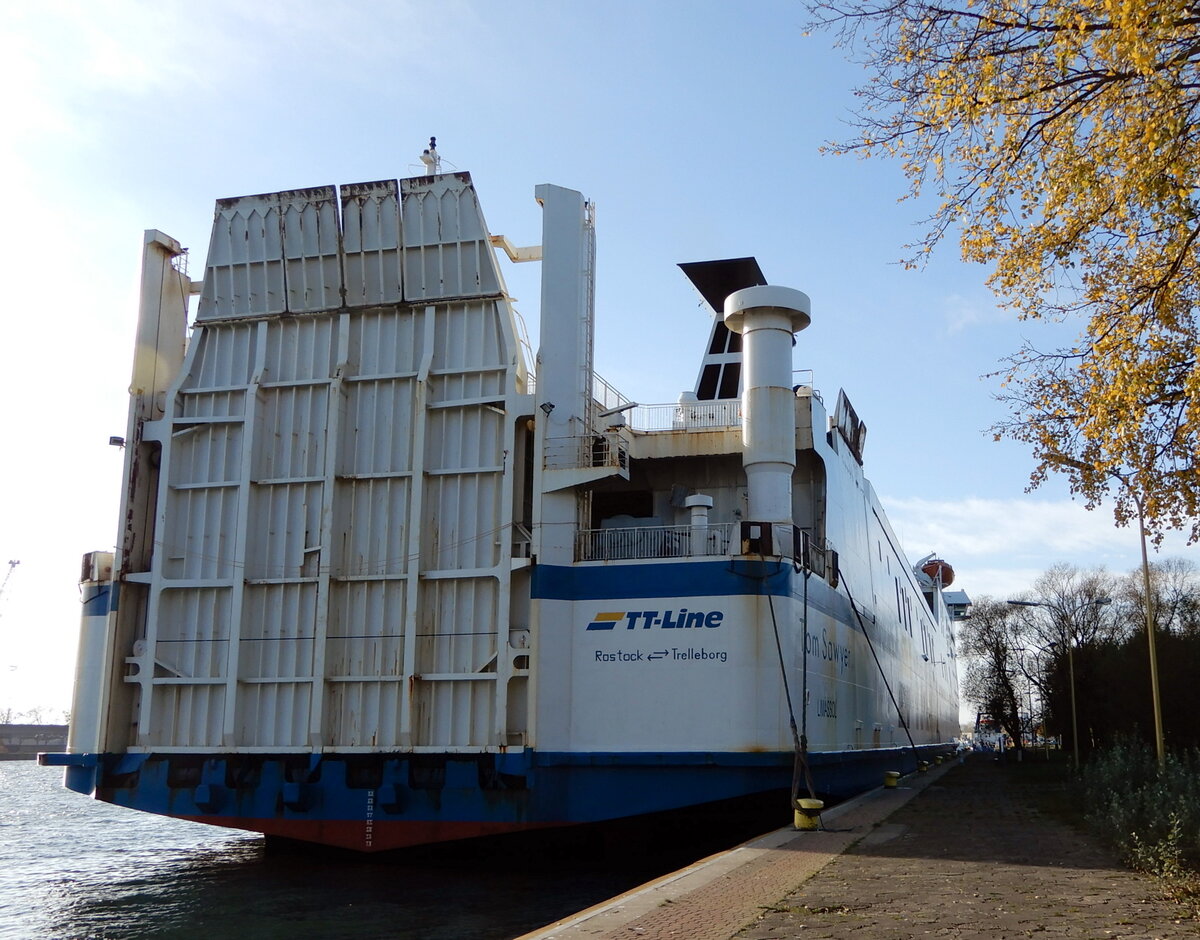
605	395
669	541
688	416
591	450
817	555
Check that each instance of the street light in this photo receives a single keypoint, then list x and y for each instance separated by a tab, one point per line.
1125	480
1098	602
1032	723
1041	696
1160	750
1029	684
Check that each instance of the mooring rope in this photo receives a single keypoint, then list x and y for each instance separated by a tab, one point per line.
887	685
800	744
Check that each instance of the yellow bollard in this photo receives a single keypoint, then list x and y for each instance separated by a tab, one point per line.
923	766
891	778
938	760
808	815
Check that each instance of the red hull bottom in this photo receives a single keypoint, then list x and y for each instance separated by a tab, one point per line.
366	835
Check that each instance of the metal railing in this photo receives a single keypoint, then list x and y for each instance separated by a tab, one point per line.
605	395
816	555
689	416
590	450
668	541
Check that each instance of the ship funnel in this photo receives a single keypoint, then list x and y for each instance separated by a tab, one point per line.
767	317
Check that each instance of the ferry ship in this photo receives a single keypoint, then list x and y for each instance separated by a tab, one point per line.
380	580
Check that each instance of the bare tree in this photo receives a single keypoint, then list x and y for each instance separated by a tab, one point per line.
991	641
1073	606
1175	590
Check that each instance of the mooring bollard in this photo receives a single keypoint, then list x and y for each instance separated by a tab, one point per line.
938	760
808	814
891	778
923	766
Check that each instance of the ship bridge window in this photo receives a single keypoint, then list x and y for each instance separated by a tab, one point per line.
719	380
724	340
730	377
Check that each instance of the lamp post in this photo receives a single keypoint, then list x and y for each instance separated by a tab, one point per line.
1041	697
1074	711
1127	481
1032	724
1097	602
1159	748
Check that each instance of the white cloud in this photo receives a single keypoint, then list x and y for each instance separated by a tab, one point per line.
999	546
962	313
977	526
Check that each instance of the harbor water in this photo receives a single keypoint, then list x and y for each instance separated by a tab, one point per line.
73	868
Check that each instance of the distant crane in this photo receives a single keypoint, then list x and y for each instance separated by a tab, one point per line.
12	564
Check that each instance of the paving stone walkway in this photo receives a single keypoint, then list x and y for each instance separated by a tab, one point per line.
957	853
967	858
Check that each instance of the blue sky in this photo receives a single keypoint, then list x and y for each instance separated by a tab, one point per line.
696	129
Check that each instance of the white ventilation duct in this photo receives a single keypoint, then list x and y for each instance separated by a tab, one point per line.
767	317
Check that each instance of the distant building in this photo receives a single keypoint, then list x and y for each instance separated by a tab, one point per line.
22	742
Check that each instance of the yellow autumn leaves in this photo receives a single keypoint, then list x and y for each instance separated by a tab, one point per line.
1063	142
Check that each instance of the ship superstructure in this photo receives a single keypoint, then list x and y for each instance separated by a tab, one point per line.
376	586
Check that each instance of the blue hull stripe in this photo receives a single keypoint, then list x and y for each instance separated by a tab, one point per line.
686	579
525	788
99	599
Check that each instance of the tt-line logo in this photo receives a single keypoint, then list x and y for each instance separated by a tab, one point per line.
682	619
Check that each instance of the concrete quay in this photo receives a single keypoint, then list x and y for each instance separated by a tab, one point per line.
952	853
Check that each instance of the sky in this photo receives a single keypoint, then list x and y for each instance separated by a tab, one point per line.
695	127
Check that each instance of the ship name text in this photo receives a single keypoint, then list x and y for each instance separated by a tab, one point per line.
682	619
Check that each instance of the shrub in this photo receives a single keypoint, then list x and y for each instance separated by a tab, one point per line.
1151	816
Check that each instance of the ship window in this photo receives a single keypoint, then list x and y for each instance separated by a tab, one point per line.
720	339
708	382
729	380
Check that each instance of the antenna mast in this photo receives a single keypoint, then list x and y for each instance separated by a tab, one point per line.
431	159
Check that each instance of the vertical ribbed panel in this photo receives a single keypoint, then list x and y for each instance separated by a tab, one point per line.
271	254
244	273
312	249
457	712
333	560
371	243
446	247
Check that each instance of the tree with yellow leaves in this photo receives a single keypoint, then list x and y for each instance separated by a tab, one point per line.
1062	139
